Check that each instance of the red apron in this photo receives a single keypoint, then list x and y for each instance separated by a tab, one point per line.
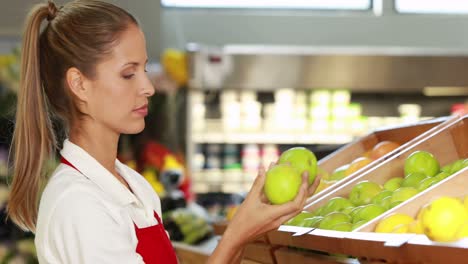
153	245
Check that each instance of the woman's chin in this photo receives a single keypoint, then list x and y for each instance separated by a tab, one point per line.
134	128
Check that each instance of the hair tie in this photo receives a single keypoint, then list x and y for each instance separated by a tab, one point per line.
52	8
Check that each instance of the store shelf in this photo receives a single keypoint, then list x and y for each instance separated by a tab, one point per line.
269	137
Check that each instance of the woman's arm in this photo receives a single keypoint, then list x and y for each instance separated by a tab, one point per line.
255	217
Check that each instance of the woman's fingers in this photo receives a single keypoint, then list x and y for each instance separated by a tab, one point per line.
314	185
257	187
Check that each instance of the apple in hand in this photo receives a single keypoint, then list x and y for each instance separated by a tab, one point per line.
302	159
282	183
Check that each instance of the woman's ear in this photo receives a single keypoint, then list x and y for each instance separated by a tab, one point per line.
75	81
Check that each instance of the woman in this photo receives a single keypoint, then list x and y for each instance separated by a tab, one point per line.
86	66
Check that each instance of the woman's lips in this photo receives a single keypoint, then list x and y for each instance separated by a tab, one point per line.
142	110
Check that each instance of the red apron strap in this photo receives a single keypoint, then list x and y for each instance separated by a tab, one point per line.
66	162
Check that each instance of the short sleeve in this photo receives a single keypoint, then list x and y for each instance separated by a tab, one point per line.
82	230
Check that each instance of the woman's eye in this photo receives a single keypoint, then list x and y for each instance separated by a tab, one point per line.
128	76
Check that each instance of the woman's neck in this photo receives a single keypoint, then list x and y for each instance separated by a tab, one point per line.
100	144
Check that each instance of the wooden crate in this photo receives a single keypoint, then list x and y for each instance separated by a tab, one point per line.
404	135
289	256
447	145
260	252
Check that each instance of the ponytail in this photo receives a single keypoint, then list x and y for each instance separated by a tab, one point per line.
33	137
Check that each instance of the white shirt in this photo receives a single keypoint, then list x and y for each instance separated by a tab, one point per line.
88	216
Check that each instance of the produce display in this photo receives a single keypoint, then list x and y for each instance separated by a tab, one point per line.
368	199
378	151
185	226
445	219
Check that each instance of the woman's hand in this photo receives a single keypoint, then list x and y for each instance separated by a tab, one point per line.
257	216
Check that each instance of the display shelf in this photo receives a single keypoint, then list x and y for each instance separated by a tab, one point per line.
447	145
406	135
260	137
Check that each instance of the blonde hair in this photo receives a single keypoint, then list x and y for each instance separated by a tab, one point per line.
79	34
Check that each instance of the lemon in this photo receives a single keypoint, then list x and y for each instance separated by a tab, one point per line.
443	218
465	202
392	223
463	231
401	229
416	227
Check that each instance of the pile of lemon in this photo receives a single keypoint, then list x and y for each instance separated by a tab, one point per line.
445	219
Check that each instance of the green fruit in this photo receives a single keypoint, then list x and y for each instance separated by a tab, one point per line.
428	183
402	194
339	173
394	204
363	192
422	162
319	211
302	159
310	222
442	175
413	180
348	210
386	202
368	213
298	218
345	227
333	219
447	168
358	224
393	184
355	211
380	196
282	183
336	204
458	165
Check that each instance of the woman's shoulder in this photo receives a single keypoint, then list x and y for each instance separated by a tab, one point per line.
67	183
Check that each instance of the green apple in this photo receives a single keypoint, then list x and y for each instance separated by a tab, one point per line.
442	175
386	202
319	211
358	224
333	219
339	173
378	199
413	180
368	213
336	204
310	222
282	183
346	227
422	162
302	159
363	192
458	165
447	168
348	210
402	194
428	183
298	218
393	184
355	211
